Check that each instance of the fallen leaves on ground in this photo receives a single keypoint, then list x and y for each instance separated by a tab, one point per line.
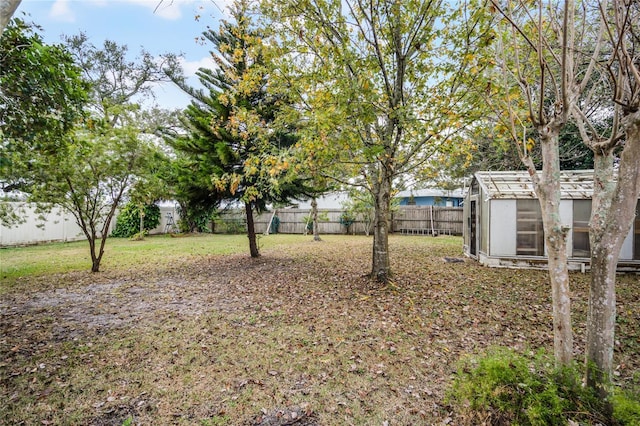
297	336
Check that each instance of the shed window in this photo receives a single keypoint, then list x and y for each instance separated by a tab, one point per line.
475	187
530	232
581	215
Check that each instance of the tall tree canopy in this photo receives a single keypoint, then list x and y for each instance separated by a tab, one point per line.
565	61
42	96
616	152
375	91
231	133
71	133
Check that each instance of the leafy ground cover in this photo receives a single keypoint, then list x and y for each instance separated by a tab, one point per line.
172	334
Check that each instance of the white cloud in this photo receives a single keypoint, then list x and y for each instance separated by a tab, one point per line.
61	11
190	67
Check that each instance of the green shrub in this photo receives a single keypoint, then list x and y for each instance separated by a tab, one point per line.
195	218
626	403
505	388
128	222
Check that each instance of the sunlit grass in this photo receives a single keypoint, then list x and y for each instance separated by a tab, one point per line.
123	254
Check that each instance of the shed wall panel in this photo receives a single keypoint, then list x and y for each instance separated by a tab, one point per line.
483	221
626	252
503	228
566	218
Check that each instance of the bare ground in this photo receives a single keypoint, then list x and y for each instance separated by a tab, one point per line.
298	336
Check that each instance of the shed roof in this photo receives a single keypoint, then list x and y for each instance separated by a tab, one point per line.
431	192
574	184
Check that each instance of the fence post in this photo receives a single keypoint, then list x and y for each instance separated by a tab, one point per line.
266	231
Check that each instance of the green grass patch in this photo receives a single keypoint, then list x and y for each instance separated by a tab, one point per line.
19	263
504	387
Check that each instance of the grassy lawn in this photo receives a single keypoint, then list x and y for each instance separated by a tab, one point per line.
121	253
193	331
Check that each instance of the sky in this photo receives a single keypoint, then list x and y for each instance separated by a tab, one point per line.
158	26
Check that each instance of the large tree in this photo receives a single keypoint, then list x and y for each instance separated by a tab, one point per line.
371	78
89	175
616	152
112	149
42	96
85	164
231	132
591	68
541	71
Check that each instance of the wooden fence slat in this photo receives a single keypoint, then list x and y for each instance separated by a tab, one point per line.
406	220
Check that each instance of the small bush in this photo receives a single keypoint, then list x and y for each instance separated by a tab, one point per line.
626	403
505	388
128	222
195	218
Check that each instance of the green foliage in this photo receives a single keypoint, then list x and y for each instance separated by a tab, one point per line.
361	206
503	387
195	217
128	222
232	225
71	135
115	79
308	220
374	88
231	133
347	218
11	215
41	100
42	90
494	153
626	403
231	137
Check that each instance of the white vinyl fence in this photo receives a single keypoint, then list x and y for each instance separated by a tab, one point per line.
57	225
60	225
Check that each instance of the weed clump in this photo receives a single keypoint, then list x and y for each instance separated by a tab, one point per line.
506	388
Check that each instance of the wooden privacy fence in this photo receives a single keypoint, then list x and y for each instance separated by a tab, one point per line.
289	221
411	220
59	225
432	220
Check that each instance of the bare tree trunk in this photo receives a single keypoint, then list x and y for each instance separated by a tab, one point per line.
98	258
7	9
314	218
251	230
95	260
381	269
612	215
141	229
555	235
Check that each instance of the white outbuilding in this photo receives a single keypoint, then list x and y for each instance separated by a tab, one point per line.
503	222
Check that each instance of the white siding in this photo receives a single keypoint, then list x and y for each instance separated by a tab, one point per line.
503	228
